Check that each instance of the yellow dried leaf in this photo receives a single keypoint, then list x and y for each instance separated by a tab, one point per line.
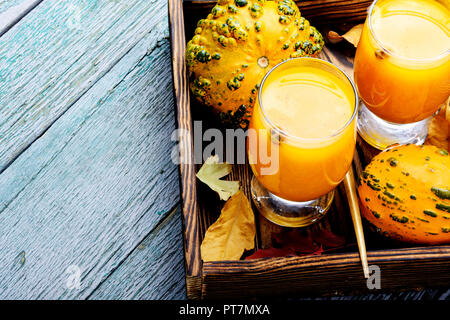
439	128
210	174
232	233
352	36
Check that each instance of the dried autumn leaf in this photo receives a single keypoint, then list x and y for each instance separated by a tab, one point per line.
293	243
271	253
232	233
210	174
352	36
282	252
327	238
439	128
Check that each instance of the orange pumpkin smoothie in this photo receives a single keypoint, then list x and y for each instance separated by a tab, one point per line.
402	63
306	113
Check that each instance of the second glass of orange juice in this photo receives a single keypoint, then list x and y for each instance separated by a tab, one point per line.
304	121
402	69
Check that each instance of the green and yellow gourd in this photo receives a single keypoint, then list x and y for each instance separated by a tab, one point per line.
234	47
405	194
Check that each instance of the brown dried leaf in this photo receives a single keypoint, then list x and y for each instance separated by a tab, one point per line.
294	243
334	37
352	36
232	233
272	253
439	129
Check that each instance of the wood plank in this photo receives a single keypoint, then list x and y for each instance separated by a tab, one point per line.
50	58
12	11
334	274
90	189
319	12
429	294
154	270
186	167
8	4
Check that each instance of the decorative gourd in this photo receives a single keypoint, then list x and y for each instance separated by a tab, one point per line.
405	194
234	47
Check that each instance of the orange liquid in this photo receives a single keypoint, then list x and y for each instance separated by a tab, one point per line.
310	105
409	81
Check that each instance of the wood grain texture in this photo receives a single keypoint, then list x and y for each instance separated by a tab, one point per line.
12	12
49	59
341	272
93	186
423	295
5	5
154	270
186	167
319	12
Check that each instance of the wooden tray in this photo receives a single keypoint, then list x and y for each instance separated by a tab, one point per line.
402	267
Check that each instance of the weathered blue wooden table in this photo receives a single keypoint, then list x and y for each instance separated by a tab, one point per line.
87	186
88	193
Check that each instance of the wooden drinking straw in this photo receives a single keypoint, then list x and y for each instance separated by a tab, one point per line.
350	190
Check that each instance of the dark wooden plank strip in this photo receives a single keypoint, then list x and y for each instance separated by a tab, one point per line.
320	12
186	167
335	279
261	265
423	295
332	273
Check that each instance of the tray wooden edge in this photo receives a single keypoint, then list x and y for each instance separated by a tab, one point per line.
269	264
317	11
283	276
188	189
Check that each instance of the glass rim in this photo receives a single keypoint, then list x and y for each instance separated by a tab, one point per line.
290	136
379	43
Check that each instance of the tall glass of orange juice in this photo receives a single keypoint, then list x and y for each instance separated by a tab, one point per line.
304	120
402	69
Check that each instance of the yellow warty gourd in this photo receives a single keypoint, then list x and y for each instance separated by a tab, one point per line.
235	46
405	194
